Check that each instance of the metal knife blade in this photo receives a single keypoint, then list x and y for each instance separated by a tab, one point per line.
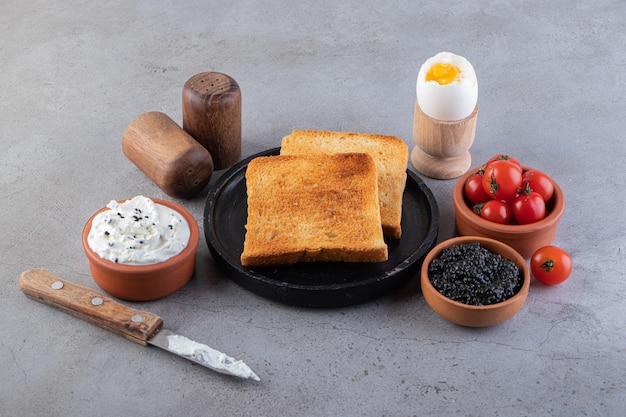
139	326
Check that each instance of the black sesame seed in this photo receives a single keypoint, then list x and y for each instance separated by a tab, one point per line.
471	274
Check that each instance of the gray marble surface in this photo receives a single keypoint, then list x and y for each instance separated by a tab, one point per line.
551	92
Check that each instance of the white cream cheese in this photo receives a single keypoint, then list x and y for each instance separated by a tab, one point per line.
138	232
213	358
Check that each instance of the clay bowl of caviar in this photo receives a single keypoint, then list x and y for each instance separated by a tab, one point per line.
141	249
524	238
475	281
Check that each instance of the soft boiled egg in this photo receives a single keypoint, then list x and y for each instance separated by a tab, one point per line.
447	88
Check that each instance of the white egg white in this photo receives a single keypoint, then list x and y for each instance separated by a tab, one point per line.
450	102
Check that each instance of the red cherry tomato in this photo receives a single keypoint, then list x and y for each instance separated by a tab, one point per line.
551	265
494	210
502	179
539	182
473	188
504	157
528	207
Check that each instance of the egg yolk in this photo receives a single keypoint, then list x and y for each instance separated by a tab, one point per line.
443	73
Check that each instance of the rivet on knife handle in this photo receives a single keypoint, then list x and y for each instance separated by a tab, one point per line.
92	306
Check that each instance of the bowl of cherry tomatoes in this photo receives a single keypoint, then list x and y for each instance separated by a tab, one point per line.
510	202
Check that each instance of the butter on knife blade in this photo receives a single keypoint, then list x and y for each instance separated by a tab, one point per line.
202	354
139	326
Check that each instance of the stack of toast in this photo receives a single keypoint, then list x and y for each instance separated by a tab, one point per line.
328	196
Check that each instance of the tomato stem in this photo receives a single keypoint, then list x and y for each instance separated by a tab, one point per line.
548	264
478	208
526	190
493	185
503	157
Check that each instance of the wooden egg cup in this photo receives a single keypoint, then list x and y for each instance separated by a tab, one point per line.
442	147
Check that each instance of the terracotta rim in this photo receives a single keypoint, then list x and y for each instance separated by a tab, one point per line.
462	209
191	247
513	255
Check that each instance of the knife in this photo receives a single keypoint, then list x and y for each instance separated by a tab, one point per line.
139	326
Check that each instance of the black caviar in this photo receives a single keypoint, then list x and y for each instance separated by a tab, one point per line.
471	274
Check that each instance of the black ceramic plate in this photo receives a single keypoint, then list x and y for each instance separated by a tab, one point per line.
318	284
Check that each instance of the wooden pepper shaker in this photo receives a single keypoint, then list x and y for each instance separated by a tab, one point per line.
168	155
212	115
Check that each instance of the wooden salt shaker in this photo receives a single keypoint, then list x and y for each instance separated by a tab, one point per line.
212	115
442	147
170	157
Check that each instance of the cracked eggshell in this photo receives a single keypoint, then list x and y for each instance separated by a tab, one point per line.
448	102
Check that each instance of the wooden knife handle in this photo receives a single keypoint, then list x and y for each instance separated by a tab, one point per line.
89	305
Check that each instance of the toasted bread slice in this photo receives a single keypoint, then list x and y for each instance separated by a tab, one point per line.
390	154
312	208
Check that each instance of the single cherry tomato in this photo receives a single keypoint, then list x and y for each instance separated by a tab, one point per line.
504	157
528	207
473	188
551	265
494	210
539	182
502	179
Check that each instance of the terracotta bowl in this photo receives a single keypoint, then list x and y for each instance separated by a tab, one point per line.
145	282
526	238
471	315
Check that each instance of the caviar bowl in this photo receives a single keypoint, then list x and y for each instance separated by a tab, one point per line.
145	282
470	315
524	238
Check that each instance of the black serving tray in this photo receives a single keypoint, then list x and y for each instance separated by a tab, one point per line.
317	284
